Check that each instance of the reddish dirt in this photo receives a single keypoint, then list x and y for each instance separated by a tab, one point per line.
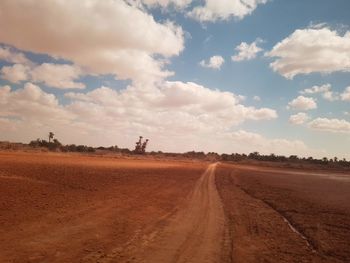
75	208
197	233
61	208
276	215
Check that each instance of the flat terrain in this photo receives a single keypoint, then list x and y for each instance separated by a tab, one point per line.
62	208
75	208
277	215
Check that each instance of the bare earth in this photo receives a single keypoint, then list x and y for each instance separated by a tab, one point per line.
74	208
197	231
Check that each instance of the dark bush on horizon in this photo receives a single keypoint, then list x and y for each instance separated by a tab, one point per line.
55	145
77	148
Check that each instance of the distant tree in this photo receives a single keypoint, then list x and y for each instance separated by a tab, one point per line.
293	157
36	143
56	143
272	157
51	135
254	155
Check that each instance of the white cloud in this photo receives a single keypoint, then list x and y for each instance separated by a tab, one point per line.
247	51
11	56
176	104
303	103
346	94
54	75
330	96
224	9
244	141
60	76
15	73
311	50
31	104
57	75
214	62
317	89
100	44
325	90
256	98
298	118
331	125
175	114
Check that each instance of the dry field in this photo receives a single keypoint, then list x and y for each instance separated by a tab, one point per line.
278	215
75	208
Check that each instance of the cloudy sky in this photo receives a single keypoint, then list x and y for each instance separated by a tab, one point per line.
209	75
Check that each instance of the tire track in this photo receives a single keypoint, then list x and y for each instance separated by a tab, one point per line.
197	233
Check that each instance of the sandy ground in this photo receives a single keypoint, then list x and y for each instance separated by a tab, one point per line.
197	231
61	208
278	215
74	208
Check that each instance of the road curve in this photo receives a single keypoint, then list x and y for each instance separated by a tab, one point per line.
197	232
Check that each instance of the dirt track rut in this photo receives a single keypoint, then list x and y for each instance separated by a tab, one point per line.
197	232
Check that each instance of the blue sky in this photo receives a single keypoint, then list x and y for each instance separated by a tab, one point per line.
105	81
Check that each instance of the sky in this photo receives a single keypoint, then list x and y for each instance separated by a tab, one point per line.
228	76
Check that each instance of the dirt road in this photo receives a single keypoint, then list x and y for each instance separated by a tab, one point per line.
197	232
76	208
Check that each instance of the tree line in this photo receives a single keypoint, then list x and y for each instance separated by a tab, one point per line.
54	145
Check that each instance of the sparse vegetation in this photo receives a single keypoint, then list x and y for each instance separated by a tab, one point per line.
292	161
55	145
140	146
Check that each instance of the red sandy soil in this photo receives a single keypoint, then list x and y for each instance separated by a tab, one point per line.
278	215
75	208
61	208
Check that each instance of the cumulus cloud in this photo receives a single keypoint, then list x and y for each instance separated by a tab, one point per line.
176	116
15	73
12	56
214	10
101	44
346	94
57	75
187	113
60	76
311	50
247	51
330	96
177	104
325	90
298	118
303	103
331	125
256	142
31	104
215	62
317	89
